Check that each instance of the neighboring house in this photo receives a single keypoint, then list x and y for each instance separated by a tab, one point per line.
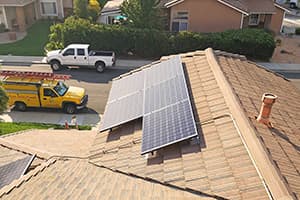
110	11
17	14
234	156
20	14
221	15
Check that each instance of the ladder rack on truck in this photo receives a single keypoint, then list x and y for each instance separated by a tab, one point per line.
29	74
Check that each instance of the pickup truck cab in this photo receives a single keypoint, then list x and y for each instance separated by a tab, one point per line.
80	55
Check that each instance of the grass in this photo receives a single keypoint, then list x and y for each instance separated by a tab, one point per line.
33	43
11	127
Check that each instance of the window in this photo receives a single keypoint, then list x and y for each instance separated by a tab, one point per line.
49	93
180	21
69	52
48	8
80	52
254	19
61	88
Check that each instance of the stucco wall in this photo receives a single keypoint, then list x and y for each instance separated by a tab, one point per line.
276	21
208	15
67	3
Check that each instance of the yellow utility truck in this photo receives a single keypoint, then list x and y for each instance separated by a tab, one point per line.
42	89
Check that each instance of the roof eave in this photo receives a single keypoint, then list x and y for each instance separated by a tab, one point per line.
173	3
281	7
233	7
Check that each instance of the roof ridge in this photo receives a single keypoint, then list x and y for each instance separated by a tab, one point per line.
24	149
261	159
16	183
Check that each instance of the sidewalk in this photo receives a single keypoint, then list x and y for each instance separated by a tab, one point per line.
27	60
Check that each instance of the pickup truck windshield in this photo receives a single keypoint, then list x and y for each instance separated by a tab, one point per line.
61	88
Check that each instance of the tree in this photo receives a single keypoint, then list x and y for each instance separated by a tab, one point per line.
80	8
3	100
94	9
87	9
142	13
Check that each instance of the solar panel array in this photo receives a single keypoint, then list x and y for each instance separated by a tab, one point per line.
159	94
168	116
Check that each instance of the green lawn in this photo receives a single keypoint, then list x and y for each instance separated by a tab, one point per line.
33	44
11	127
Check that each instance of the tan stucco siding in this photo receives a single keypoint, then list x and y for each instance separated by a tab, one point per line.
208	15
276	21
68	3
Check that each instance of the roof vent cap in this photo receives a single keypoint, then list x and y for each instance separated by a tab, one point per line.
268	100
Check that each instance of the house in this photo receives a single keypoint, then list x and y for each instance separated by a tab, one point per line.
235	156
221	15
110	11
20	14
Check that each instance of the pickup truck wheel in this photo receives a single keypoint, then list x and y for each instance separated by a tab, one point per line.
100	67
70	108
293	5
55	65
20	106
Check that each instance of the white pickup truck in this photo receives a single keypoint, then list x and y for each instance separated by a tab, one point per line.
80	55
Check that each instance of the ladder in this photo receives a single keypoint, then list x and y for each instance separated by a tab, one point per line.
29	74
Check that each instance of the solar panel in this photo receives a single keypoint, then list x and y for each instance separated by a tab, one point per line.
14	170
125	102
162	71
168	126
168	116
164	94
123	110
126	85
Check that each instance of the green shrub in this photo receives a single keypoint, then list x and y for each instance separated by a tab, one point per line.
254	43
297	31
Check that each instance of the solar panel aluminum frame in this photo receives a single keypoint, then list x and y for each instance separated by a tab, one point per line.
190	110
